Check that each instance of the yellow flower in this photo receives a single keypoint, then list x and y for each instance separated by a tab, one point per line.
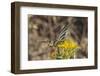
65	49
67	44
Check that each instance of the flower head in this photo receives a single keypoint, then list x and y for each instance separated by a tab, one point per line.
65	49
67	44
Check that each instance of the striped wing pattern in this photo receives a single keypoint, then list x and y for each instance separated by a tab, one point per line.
63	33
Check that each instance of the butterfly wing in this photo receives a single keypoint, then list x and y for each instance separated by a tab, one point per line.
63	33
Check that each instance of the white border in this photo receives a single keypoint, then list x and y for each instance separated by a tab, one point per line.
25	64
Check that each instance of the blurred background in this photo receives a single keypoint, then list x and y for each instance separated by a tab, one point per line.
43	29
